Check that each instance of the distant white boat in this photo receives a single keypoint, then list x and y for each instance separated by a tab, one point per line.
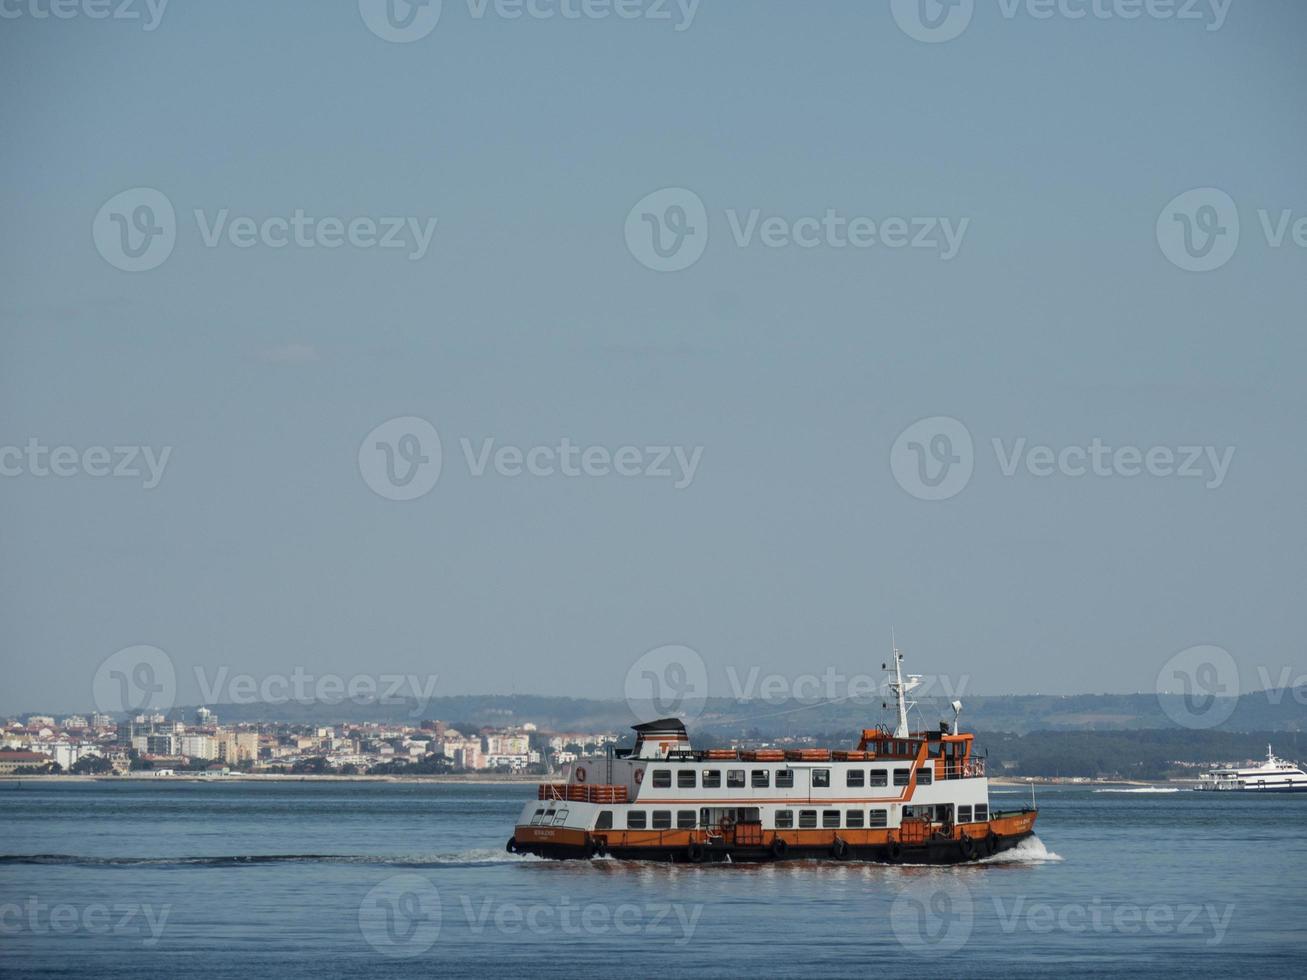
1272	776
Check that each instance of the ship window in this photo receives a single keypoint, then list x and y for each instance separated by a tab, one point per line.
685	778
982	811
853	777
662	820
807	818
853	818
901	776
735	778
876	818
877	777
538	814
784	778
830	818
924	776
712	778
685	819
635	820
784	819
605	820
821	777
561	818
964	814
760	778
662	779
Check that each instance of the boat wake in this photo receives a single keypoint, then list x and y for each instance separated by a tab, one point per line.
475	857
1142	789
1029	851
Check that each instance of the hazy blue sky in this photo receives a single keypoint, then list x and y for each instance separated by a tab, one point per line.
528	319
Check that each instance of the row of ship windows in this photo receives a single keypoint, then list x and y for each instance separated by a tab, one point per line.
689	820
761	778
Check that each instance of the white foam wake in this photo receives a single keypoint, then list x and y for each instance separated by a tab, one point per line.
1143	789
1029	851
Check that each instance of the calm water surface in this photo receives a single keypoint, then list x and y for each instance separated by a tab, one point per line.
254	880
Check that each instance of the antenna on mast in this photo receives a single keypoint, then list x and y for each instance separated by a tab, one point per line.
900	688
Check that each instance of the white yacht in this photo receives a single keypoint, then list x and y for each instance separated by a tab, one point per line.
1272	776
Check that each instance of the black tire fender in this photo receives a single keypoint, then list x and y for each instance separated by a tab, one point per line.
779	847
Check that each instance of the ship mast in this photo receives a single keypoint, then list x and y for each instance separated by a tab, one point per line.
900	688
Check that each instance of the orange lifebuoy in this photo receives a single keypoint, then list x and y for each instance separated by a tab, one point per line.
639	776
580	774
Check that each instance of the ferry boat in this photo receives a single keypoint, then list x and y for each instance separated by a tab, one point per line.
1272	776
898	797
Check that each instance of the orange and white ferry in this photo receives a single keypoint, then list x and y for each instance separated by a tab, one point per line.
916	798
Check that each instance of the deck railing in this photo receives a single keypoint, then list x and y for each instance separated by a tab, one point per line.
582	792
970	769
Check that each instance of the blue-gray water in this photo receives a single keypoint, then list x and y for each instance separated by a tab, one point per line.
253	880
